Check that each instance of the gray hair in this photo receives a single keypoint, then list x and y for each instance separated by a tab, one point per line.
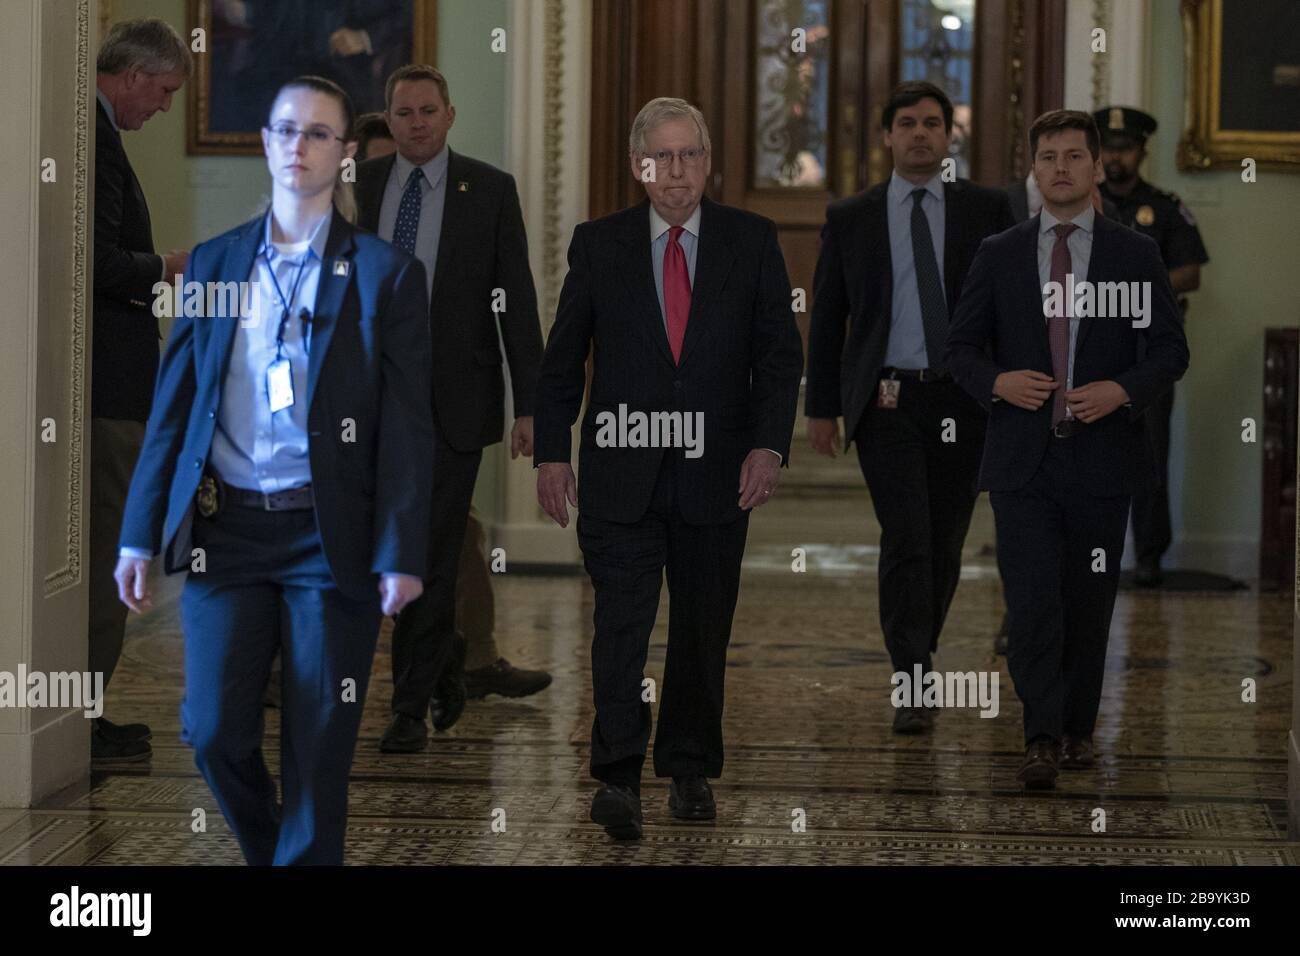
660	110
151	44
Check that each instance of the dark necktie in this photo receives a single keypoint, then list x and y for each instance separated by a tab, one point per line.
677	292
408	213
934	309
1059	325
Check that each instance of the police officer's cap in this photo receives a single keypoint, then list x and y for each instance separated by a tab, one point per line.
1122	126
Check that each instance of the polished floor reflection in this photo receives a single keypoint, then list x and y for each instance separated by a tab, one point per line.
1188	773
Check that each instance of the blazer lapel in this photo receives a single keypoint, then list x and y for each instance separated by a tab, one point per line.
238	267
712	263
335	276
954	225
372	189
455	208
639	277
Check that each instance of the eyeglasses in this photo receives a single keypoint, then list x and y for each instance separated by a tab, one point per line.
316	135
689	157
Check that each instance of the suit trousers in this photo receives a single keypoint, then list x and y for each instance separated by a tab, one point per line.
1060	596
114	447
923	490
1152	532
426	629
267	587
626	563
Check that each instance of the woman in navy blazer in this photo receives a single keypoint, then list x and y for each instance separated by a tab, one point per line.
287	466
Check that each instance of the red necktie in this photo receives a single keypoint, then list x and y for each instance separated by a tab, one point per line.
677	292
1059	325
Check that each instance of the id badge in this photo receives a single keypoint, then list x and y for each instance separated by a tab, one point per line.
889	389
279	384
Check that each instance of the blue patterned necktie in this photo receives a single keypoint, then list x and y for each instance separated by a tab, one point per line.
408	213
934	308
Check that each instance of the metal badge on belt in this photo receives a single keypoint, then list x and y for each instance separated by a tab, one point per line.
208	498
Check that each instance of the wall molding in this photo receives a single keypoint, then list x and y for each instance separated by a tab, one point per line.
69	575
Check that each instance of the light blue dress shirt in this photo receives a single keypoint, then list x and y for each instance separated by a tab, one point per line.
906	348
1080	245
689	240
254	447
433	197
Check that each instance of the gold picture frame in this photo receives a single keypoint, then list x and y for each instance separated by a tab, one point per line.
236	138
1207	143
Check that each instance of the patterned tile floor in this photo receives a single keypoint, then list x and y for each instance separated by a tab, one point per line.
1188	773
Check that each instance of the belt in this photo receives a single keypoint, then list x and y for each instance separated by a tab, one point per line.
1067	428
291	499
916	374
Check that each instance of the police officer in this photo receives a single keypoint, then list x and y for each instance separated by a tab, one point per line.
1164	218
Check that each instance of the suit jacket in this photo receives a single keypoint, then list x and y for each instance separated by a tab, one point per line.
1002	306
855	280
482	247
124	352
1018	195
369	362
740	361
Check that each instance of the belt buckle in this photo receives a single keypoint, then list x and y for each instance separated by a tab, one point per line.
921	376
1065	427
266	501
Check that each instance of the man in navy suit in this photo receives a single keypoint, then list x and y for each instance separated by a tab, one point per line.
1066	386
891	268
684	305
286	466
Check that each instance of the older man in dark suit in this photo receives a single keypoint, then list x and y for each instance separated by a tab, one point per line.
141	64
1065	451
685	307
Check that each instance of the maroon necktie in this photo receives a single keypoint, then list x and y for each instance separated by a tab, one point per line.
677	292
1059	325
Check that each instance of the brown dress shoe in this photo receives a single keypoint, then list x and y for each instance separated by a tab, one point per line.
1038	772
1077	753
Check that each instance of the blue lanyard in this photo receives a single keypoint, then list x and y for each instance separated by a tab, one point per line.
286	304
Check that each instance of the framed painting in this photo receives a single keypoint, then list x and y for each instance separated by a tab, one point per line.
1242	60
254	46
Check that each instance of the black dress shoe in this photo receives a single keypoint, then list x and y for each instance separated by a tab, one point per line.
618	809
691	798
505	679
1077	754
1039	769
405	735
449	694
910	720
122	733
1148	575
106	753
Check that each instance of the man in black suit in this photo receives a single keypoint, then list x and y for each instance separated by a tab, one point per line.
462	219
890	272
684	305
1066	387
141	64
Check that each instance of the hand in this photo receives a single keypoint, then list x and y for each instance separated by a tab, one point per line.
348	42
759	476
521	437
556	489
824	435
132	577
175	262
1025	389
1095	400
398	590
